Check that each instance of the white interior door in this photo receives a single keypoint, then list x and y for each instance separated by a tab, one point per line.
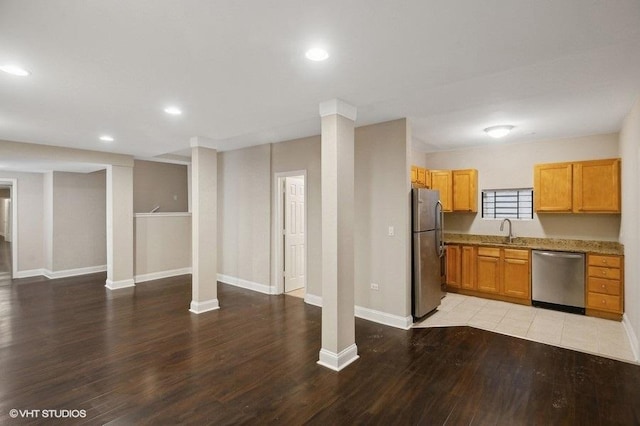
294	219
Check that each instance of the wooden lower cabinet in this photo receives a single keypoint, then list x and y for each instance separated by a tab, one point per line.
491	272
516	275
453	266
488	270
605	288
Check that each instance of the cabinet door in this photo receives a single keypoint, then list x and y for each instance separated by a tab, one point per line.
596	186
465	190
552	187
467	267
442	181
422	178
516	278
453	266
488	273
414	174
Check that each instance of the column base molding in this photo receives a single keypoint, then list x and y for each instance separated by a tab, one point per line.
116	285
202	307
338	361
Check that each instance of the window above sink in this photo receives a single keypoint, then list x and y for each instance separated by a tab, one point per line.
512	203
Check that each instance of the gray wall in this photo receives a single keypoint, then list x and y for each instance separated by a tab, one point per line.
629	229
157	184
511	166
244	214
79	220
162	243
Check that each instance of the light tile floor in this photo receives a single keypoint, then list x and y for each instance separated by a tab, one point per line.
578	332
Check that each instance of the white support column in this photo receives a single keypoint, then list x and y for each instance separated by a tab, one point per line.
204	226
338	206
119	227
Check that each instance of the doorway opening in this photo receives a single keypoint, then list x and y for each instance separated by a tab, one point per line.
291	233
8	230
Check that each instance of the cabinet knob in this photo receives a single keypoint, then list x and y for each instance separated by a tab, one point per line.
604	272
604	261
603	286
604	302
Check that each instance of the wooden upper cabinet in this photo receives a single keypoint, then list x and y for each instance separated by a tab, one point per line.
552	187
414	174
422	177
442	181
465	190
596	186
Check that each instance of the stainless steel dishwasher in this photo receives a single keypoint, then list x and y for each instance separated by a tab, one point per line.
557	280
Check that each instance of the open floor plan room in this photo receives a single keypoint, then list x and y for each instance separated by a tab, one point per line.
139	356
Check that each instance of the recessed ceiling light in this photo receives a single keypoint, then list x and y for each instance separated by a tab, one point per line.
106	138
173	110
14	70
317	54
498	131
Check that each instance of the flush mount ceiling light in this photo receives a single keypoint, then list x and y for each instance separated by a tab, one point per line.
14	70
498	131
316	54
106	138
173	110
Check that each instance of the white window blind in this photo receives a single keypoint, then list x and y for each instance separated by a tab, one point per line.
511	203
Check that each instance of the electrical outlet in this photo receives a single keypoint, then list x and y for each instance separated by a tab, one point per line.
391	231
374	286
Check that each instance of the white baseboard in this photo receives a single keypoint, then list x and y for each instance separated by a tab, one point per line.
206	306
116	285
250	285
338	361
312	299
74	272
380	317
633	337
161	274
29	273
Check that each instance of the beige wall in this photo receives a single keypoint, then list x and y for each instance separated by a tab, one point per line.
5	193
244	214
629	229
511	166
382	200
79	220
162	243
295	155
160	184
30	220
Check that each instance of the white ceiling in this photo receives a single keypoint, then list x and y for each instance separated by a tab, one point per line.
237	68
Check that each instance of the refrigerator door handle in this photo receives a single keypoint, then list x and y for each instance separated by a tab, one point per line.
439	233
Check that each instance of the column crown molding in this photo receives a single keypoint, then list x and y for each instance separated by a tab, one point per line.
199	141
339	107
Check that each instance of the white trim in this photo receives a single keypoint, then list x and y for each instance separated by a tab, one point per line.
373	315
338	361
116	285
162	214
202	307
339	107
633	337
74	272
29	273
184	162
161	274
277	250
312	299
380	317
250	285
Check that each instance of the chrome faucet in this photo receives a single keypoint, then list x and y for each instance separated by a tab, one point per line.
506	219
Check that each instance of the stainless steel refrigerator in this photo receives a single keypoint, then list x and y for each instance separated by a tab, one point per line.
428	249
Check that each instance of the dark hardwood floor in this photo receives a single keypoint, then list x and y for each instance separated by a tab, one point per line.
139	357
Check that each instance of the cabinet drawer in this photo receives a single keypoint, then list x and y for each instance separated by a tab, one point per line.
604	302
601	285
607	261
611	273
489	251
516	254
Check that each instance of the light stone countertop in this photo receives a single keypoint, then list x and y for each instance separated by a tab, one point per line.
583	246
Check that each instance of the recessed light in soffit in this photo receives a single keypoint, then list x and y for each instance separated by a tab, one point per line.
317	54
14	70
172	110
106	138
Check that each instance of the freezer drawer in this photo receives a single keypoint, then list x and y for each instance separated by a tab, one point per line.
557	280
